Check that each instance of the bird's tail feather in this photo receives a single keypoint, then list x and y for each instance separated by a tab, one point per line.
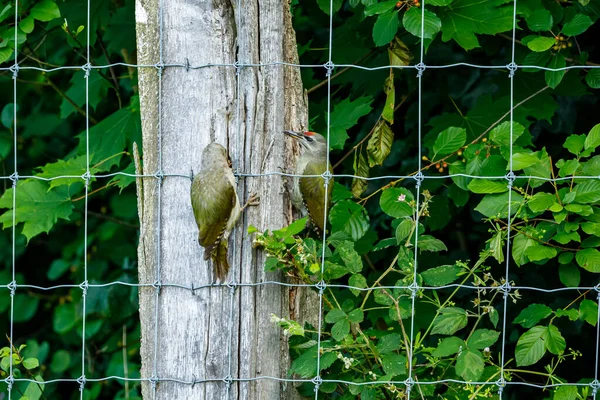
220	263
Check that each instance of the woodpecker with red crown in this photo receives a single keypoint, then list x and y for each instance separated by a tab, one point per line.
308	193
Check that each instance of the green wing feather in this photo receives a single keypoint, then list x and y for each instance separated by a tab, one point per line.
313	193
213	203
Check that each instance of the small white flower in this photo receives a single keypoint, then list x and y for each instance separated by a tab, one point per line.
487	350
401	198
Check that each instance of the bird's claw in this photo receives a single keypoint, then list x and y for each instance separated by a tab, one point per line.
253	200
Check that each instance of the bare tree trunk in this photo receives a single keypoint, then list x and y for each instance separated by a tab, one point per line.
199	106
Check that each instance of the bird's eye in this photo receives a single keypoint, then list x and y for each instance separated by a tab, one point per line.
308	138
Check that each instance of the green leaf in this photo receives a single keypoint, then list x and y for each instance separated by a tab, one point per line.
57	269
540	43
448	346
359	281
482	338
344	116
380	8
351	259
449	141
27	307
38	208
429	243
349	217
497	205
380	144
500	135
7	116
530	347
385	28
442	275
73	166
523	160
65	318
539	252
306	365
394	202
404	229
412	22
27	24
588	259
592	78
540	20
390	91
571	313
340	329
389	343
335	315
588	312
449	321
520	244
553	78
325	5
579	24
593	138
5	13
587	192
565	393
569	275
541	202
533	314
393	364
555	343
61	361
469	365
356	315
31	363
466	18
483	186
97	89
45	10
109	137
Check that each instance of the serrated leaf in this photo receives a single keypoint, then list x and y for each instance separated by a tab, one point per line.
523	160
500	135
579	24
385	28
97	89
539	252
497	204
541	201
344	116
380	143
482	338
429	243
448	346
587	192
589	259
335	315
592	139
565	393
356	316
533	314
379	8
394	202
359	281
442	275
38	208
349	217
449	321
554	341
74	167
393	364
520	244
530	347
340	329
449	141
412	22
352	260
469	365
389	343
588	311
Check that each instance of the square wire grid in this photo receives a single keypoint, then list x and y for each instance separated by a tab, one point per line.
239	65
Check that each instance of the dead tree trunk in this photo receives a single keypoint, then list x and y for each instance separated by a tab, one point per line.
198	106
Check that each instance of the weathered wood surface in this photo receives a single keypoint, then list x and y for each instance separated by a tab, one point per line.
199	106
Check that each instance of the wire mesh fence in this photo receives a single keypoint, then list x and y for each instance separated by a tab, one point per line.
421	68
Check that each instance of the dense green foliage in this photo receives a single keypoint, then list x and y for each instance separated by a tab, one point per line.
50	247
462	222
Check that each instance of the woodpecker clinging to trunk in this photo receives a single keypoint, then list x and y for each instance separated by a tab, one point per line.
308	194
216	206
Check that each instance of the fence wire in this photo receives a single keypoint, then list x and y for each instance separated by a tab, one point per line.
418	177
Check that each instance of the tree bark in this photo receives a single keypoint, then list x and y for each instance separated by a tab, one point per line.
199	106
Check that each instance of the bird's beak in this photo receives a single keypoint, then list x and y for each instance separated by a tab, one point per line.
295	135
